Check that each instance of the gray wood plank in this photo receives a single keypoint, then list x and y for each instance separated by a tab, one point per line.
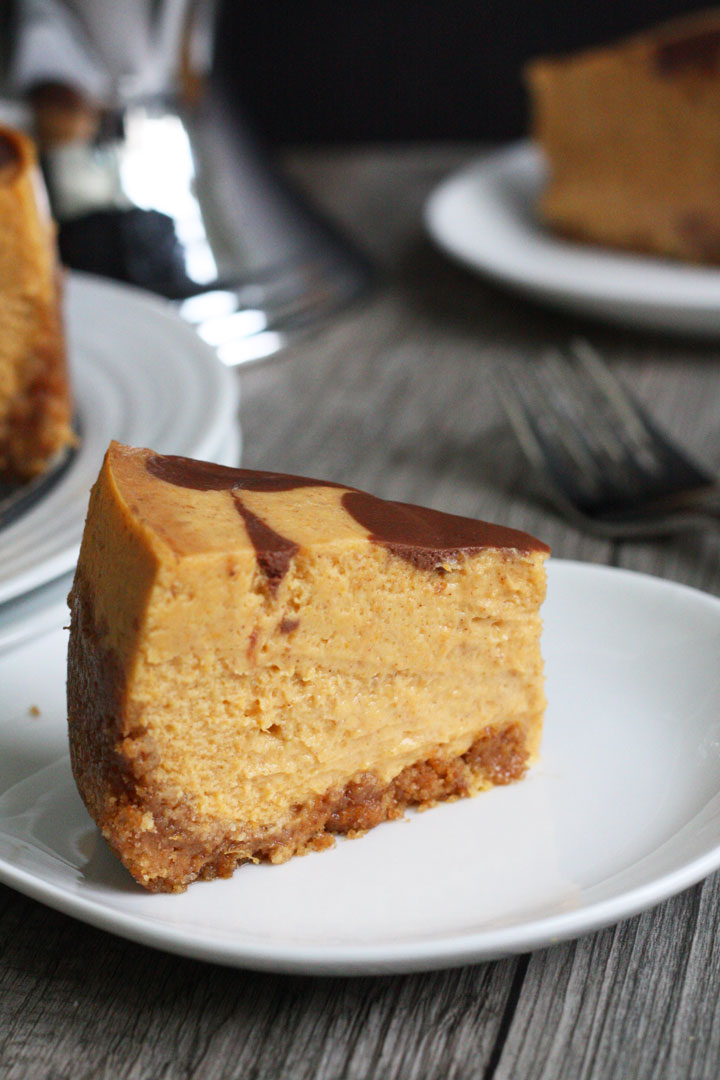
638	1000
77	1003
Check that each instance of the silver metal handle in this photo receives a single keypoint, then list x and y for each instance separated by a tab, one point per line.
156	179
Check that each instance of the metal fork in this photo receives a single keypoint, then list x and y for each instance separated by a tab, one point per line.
607	466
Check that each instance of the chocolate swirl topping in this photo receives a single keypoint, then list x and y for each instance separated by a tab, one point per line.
272	551
206	476
426	538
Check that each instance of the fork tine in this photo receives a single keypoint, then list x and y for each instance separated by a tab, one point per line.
601	437
612	388
632	466
598	448
652	453
601	430
594	444
568	395
630	423
606	464
551	447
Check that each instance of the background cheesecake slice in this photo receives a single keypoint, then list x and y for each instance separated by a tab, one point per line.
632	141
258	661
35	401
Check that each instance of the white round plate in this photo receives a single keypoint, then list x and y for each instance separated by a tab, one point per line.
140	375
45	608
622	811
484	216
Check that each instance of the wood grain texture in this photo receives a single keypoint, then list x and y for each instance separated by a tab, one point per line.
638	1000
77	1003
395	396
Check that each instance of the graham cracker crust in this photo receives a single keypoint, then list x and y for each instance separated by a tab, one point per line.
176	851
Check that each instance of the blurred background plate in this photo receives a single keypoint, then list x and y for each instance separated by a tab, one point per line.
140	375
484	216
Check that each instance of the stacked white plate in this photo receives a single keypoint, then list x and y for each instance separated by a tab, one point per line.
142	376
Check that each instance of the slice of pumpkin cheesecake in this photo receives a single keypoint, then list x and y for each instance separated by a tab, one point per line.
35	398
258	661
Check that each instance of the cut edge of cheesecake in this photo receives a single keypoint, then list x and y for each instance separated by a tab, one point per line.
258	662
35	399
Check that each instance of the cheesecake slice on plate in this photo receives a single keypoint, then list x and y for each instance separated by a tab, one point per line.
260	661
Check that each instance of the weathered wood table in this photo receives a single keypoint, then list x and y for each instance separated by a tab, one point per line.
394	396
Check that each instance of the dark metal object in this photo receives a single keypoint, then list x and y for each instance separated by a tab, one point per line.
606	465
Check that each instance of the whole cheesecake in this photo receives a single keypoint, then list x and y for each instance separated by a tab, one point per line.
35	400
259	661
631	139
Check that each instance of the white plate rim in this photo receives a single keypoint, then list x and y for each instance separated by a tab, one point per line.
406	956
470	218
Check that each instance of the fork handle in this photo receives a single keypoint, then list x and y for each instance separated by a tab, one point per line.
709	511
704	504
684	518
690	517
